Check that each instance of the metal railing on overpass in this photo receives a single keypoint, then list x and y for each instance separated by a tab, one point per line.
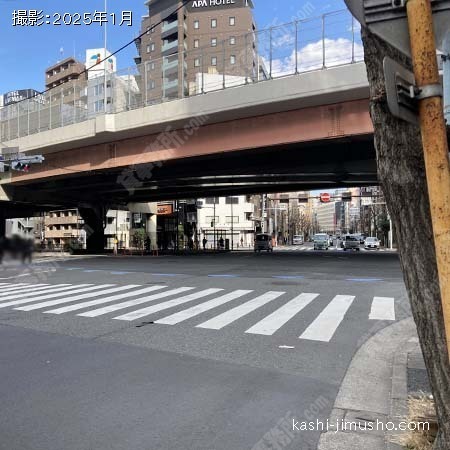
284	50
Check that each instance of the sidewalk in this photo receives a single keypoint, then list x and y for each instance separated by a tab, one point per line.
375	387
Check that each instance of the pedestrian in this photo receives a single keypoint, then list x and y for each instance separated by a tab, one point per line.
116	243
204	242
242	242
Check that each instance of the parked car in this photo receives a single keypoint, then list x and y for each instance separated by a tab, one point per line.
298	240
351	242
372	243
263	241
321	241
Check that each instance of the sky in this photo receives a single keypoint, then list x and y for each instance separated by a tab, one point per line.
25	52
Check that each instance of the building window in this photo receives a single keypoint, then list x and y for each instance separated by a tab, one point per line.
214	61
212	200
151	84
232	59
213	23
148	48
235	219
232	21
232	40
152	47
196	43
197	62
213	42
232	200
148	30
196	25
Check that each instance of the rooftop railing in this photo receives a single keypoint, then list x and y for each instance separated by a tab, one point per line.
289	49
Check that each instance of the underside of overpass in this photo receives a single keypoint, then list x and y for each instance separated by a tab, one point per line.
327	164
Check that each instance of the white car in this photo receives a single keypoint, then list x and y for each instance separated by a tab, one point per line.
372	243
298	240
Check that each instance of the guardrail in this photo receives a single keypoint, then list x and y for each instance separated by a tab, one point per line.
283	50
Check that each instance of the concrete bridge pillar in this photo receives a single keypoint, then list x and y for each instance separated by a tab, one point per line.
2	225
94	222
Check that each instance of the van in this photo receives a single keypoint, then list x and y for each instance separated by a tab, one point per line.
297	240
263	241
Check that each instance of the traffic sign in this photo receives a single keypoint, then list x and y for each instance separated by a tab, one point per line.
325	197
387	19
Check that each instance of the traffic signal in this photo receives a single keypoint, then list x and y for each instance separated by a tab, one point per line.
346	196
20	166
303	198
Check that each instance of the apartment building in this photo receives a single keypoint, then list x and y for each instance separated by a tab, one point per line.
198	48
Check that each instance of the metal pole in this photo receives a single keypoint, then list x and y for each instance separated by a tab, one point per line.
296	47
203	73
323	43
105	96
232	225
223	65
446	64
271	52
246	57
214	223
353	39
434	140
146	81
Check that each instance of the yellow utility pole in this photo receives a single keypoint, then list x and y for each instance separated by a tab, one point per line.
434	139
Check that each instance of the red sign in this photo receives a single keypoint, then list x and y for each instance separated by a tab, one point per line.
325	197
165	210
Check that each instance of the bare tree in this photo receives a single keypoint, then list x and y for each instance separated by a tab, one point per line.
401	171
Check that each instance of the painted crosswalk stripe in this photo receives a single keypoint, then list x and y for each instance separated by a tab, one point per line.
383	308
62	291
5	284
15	287
77	297
45	290
278	318
139	301
327	322
203	307
101	301
26	289
220	321
166	305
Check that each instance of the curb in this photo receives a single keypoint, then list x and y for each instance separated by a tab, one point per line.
374	388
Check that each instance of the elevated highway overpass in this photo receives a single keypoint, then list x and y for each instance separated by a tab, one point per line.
306	131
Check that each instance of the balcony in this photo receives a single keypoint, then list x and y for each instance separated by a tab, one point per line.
170	87
169	28
169	47
172	67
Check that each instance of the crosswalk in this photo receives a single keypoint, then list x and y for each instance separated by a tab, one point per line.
106	300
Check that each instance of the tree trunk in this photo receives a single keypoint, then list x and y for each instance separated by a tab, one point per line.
401	170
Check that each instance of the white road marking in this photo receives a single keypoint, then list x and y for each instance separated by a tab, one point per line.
220	321
27	289
69	290
14	287
166	305
139	301
278	318
45	290
383	308
327	322
77	297
83	305
203	307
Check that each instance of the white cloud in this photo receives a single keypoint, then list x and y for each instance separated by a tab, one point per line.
310	57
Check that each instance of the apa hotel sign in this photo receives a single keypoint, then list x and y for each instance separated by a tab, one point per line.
195	5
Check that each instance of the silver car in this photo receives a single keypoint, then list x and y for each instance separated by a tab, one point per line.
372	243
321	241
351	242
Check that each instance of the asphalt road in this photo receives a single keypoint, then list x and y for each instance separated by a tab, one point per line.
213	352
